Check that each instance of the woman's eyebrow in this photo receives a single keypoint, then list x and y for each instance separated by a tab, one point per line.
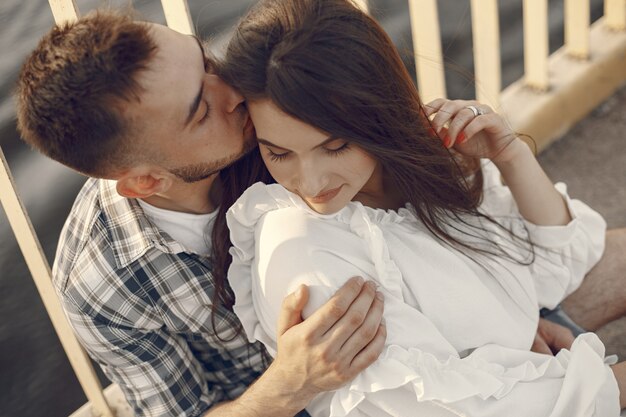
268	143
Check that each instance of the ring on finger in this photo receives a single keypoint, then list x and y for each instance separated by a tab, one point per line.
476	110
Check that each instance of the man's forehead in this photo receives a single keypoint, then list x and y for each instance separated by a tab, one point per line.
174	75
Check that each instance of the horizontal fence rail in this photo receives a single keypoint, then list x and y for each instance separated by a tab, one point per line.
555	92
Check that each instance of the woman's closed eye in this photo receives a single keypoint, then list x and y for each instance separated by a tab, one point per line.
275	157
332	151
336	150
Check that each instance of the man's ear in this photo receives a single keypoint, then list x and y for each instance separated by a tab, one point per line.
143	182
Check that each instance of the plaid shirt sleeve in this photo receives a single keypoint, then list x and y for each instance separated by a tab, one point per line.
156	370
149	326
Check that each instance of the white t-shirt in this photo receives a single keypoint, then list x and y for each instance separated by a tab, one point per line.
458	335
193	231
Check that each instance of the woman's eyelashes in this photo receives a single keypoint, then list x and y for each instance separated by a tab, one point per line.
277	157
339	150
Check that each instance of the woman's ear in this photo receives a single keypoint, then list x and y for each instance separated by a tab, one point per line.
142	183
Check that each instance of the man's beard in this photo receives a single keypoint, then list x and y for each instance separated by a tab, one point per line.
199	172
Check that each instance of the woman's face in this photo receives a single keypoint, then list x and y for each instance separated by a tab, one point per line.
324	171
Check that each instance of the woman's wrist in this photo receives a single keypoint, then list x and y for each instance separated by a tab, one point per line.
513	152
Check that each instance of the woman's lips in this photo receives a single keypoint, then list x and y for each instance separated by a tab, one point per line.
325	196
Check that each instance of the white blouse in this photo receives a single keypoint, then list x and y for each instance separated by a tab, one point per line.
458	332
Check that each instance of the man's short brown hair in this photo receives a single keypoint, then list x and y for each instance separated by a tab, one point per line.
71	87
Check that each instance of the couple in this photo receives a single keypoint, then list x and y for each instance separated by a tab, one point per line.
367	185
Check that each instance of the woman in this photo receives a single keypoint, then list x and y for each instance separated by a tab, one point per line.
368	186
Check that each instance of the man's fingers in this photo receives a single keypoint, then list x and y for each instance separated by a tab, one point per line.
356	340
355	316
371	352
339	304
291	310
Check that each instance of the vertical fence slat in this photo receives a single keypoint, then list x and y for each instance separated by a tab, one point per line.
577	21
63	10
177	16
486	40
362	4
40	270
536	44
615	14
427	49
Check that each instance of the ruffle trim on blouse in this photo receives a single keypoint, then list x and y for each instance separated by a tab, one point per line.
474	376
454	379
260	199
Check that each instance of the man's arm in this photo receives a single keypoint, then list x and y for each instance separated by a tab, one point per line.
320	354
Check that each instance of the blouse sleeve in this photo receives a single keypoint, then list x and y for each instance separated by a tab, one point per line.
563	254
278	246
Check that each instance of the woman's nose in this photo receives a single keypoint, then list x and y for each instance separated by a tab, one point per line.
311	182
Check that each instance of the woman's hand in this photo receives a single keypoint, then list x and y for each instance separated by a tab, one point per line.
473	129
551	338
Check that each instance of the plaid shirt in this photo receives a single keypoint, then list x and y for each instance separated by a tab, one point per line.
141	306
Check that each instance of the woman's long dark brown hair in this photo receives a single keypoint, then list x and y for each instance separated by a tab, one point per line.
332	66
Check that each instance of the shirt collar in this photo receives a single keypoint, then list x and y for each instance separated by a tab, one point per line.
132	233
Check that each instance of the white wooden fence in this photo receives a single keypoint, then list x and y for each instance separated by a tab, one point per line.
555	92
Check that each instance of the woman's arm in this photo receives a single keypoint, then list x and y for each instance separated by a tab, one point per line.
486	135
537	199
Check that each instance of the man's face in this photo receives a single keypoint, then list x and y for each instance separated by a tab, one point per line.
189	120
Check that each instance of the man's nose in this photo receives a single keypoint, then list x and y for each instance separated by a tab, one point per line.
228	98
232	97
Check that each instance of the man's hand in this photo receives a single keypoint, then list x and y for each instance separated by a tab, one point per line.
331	347
322	353
551	338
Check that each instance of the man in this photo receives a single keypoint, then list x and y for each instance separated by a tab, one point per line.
136	104
139	105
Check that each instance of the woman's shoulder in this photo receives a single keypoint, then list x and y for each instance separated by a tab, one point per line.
271	206
261	199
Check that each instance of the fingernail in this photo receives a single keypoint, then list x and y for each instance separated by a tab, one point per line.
432	132
446	141
373	285
460	138
380	296
300	291
359	280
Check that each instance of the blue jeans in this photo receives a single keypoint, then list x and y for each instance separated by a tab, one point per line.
558	316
